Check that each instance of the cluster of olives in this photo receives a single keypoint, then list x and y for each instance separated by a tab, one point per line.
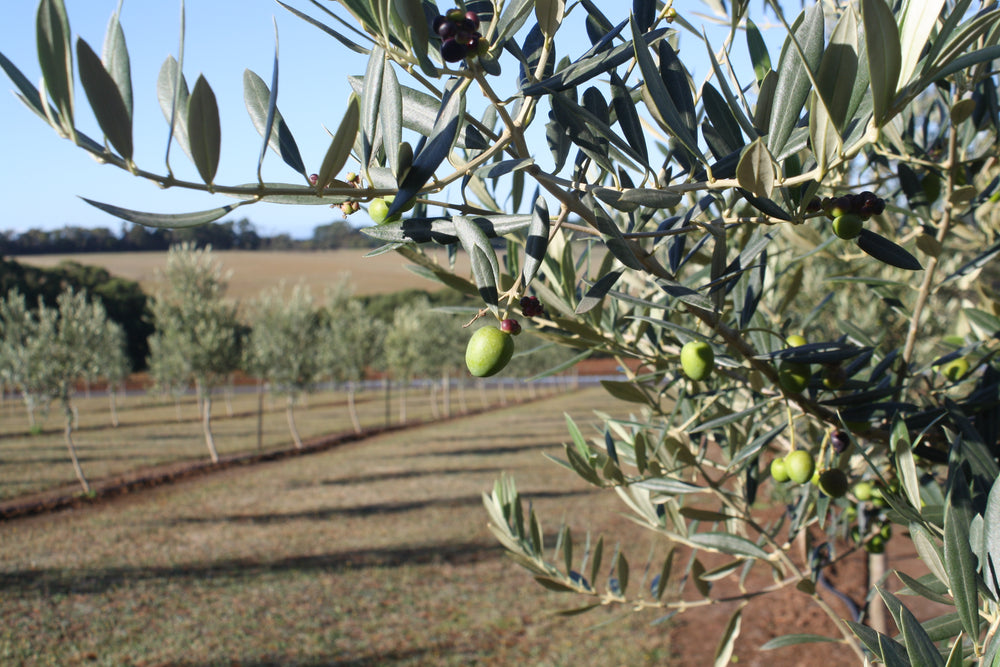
532	307
793	376
849	212
460	37
871	499
799	467
350	206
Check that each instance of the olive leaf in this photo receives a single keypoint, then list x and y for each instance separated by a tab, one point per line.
104	95
204	129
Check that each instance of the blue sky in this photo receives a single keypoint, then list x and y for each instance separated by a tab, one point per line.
43	176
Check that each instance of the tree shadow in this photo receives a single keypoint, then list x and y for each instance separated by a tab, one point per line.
373	509
401	474
47	582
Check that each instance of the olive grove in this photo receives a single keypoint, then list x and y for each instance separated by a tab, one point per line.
795	271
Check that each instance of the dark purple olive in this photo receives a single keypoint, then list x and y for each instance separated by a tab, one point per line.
447	30
452	51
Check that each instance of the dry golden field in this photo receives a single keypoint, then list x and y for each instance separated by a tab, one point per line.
253	271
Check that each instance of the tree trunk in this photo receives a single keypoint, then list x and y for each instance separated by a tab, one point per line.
113	398
482	394
446	394
71	446
352	408
402	402
206	425
434	406
260	414
229	396
503	393
388	392
29	405
290	414
876	609
461	396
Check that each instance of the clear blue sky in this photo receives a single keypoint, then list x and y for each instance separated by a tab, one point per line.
42	176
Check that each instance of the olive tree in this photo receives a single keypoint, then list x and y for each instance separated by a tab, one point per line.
794	267
352	344
285	345
22	344
198	335
46	351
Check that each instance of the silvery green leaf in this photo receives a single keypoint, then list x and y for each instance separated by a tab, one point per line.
116	60
755	171
341	144
758	51
537	242
257	97
204	129
793	83
549	14
959	561
166	220
884	57
330	31
433	153
390	113
918	18
105	99
55	57
170	86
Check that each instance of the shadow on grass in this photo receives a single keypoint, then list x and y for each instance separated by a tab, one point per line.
373	660
48	582
487	451
358	511
400	474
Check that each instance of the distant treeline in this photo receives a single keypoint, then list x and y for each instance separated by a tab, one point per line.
233	235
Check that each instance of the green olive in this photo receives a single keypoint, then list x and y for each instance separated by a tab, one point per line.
800	466
793	376
778	471
848	226
488	352
697	359
833	482
956	369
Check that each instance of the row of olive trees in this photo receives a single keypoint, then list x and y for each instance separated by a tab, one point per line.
45	351
290	340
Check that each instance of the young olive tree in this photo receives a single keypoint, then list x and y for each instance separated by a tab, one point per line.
794	268
47	351
198	335
412	342
353	344
285	345
22	343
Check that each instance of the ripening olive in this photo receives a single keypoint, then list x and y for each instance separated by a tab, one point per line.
778	471
488	352
697	359
833	482
800	466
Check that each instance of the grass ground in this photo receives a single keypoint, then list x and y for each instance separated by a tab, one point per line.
371	554
154	429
